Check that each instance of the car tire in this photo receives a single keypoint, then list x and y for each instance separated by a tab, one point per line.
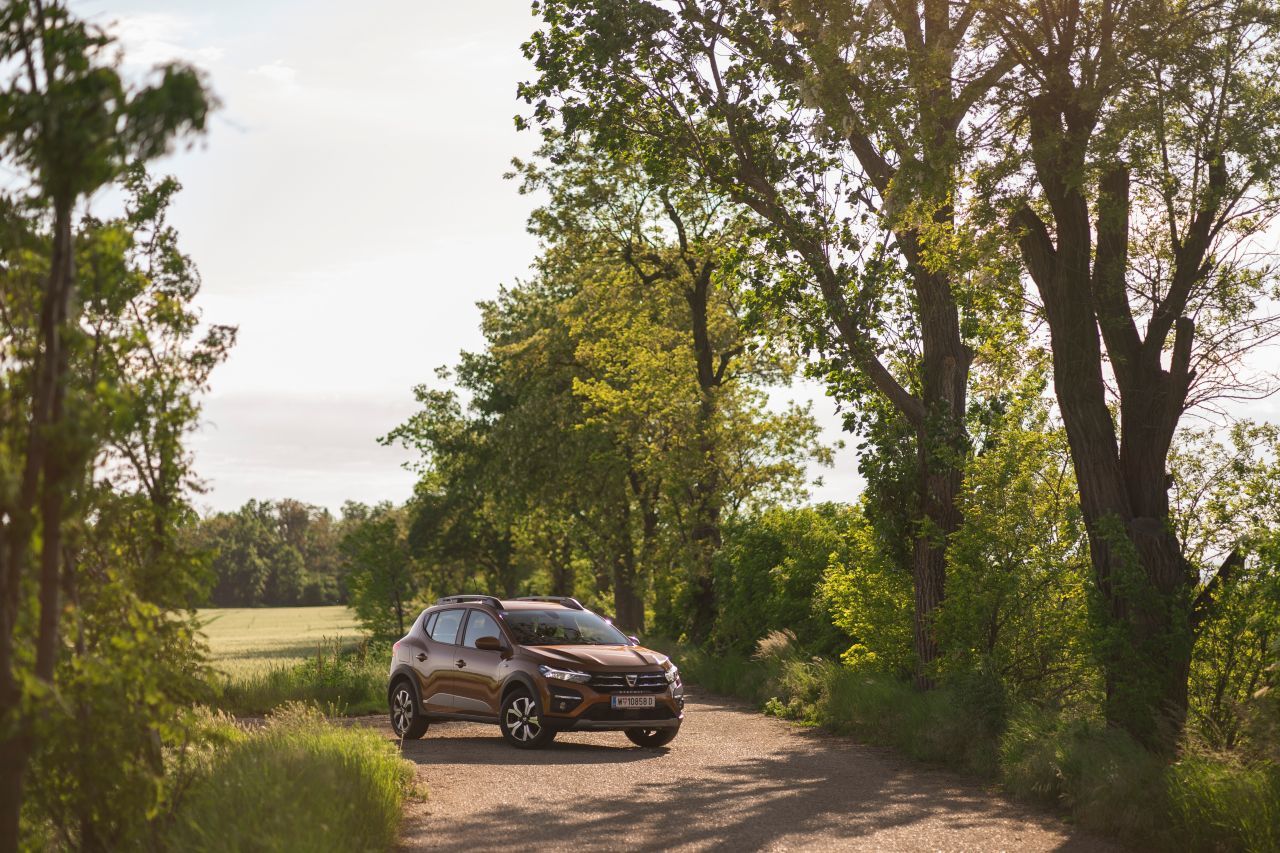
522	722
407	720
652	737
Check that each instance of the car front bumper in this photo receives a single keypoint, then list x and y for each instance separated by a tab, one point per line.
578	725
593	712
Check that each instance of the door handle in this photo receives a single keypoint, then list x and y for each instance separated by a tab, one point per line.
421	656
461	663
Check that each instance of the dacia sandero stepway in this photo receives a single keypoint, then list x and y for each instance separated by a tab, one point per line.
535	666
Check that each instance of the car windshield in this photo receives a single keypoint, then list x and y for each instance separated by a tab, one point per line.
561	628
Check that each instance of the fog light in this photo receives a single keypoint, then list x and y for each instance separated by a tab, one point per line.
563	702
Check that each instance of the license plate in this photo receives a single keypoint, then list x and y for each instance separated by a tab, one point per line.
633	702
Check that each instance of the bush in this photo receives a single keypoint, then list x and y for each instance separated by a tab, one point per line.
344	680
299	783
1100	776
770	571
1216	800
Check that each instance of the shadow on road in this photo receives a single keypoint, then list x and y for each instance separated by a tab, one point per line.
442	747
732	780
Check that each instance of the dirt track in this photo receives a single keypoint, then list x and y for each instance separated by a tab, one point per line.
733	780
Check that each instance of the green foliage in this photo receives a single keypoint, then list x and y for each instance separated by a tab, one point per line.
130	662
589	448
770	574
1103	778
129	687
1017	590
273	554
1227	505
382	577
869	597
298	783
102	359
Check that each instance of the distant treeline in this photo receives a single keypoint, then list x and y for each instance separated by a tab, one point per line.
278	553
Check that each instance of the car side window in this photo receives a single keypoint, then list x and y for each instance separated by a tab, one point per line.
428	622
479	624
445	629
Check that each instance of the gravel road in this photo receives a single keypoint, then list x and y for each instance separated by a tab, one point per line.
732	780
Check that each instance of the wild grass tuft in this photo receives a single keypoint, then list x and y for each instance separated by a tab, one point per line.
298	783
344	679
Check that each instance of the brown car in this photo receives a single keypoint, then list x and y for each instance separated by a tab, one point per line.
534	666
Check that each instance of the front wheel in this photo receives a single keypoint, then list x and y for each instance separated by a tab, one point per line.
653	737
407	720
522	723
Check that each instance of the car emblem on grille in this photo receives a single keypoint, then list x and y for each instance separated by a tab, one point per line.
631	680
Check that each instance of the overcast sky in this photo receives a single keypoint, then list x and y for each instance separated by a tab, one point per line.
346	211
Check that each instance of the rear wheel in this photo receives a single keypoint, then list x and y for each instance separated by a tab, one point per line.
652	737
406	717
522	723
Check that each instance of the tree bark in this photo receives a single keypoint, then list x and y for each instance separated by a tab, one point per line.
43	484
705	536
1143	580
628	606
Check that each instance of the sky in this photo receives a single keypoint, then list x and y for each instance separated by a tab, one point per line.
346	211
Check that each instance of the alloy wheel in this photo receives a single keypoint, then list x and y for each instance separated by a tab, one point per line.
522	719
402	710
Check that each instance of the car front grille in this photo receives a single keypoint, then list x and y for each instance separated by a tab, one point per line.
613	682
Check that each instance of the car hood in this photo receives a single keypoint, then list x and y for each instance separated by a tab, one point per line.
595	657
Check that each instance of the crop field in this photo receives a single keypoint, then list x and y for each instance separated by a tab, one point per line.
247	641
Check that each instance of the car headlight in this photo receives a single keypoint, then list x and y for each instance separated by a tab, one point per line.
673	674
564	674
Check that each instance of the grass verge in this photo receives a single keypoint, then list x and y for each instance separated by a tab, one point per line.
343	679
298	783
1100	777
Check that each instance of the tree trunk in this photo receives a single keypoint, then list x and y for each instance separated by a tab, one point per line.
704	536
628	606
1143	580
562	567
41	459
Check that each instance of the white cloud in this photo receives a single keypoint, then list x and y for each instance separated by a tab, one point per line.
154	38
278	72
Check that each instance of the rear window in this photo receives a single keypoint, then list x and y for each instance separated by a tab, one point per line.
445	629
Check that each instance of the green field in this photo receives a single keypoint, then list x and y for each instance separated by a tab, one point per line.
248	641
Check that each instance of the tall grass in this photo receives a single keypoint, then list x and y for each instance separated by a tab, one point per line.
298	783
344	679
1100	777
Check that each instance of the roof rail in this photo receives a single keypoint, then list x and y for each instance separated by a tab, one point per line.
490	600
571	603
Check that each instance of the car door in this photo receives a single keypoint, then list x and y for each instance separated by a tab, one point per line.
478	681
438	669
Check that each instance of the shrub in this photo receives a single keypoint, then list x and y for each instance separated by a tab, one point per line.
770	571
1216	802
299	783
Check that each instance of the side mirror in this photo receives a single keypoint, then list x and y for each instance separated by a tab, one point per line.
635	641
489	644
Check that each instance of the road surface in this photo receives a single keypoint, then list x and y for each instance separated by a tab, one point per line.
733	779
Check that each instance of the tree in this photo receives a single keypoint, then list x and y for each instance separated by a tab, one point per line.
276	554
845	128
380	574
1152	126
1225	501
583	408
71	125
680	243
